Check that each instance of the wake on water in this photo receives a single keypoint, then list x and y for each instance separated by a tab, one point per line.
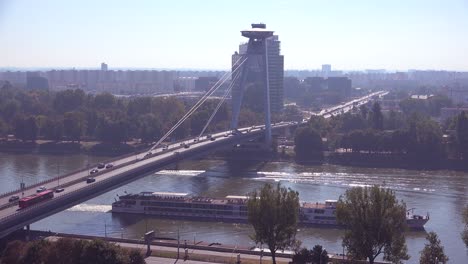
98	208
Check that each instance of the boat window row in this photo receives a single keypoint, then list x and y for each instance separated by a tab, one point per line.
188	205
316	211
325	217
187	211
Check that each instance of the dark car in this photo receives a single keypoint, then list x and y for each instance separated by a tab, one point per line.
110	165
101	166
147	155
94	171
186	146
13	198
59	190
90	180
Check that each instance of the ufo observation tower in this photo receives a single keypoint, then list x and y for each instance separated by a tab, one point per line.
256	59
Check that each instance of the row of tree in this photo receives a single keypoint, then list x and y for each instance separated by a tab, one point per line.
69	251
369	130
73	115
374	219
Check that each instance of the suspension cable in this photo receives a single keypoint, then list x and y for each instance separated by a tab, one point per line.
200	102
226	94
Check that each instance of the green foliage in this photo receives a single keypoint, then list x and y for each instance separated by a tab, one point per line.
302	257
273	213
376	117
465	221
308	144
462	134
433	252
74	125
25	128
429	107
318	255
68	100
349	122
375	222
74	115
68	251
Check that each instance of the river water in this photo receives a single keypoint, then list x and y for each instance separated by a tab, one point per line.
442	194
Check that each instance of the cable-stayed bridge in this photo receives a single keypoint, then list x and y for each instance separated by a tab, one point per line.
79	186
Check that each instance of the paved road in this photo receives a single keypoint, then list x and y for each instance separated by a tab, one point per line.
157	260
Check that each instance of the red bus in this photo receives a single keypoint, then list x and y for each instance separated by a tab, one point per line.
35	198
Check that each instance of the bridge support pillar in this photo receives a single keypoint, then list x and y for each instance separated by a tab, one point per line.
28	229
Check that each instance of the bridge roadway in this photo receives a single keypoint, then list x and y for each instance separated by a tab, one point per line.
127	169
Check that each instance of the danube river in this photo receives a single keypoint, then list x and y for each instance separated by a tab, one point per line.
442	194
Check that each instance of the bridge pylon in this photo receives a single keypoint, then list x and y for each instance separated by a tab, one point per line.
256	59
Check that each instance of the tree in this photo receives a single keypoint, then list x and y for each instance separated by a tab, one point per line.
375	222
364	111
98	251
68	100
308	144
74	125
13	252
273	213
135	257
376	116
433	252
37	252
302	257
319	255
465	231
25	128
462	134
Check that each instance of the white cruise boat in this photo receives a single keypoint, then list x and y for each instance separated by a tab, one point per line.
229	209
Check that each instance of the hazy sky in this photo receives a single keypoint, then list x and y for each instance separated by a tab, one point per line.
202	34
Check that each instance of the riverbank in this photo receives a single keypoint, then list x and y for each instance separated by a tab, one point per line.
399	161
68	147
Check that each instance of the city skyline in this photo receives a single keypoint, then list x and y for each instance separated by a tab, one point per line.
394	35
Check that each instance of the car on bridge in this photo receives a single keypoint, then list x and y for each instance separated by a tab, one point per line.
109	166
59	190
90	180
101	166
165	147
94	171
41	189
13	198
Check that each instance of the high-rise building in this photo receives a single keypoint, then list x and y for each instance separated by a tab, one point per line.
326	70
103	66
255	73
205	83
